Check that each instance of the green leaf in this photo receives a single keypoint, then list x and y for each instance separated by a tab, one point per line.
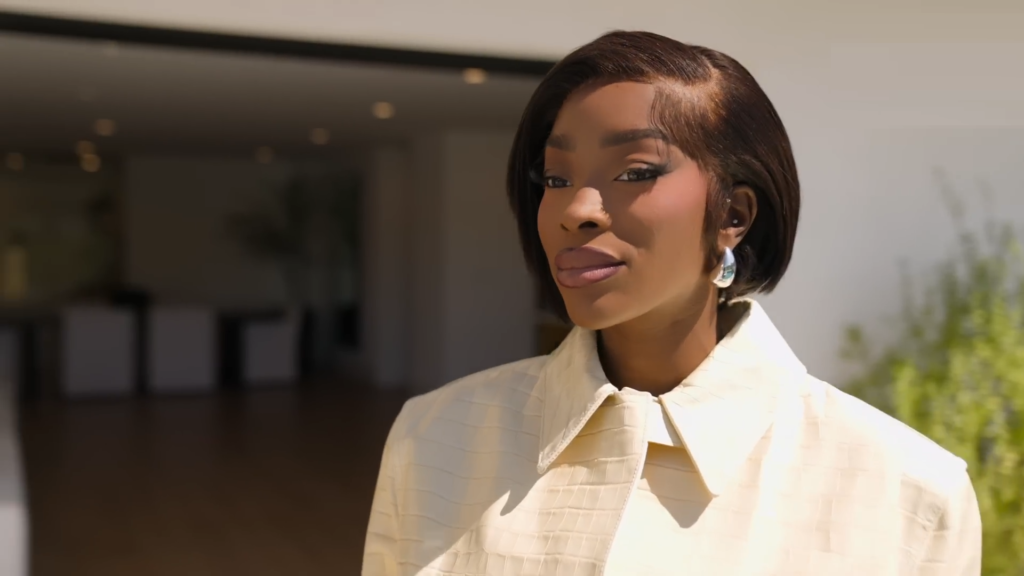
957	375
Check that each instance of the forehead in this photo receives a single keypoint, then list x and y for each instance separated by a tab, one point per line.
620	105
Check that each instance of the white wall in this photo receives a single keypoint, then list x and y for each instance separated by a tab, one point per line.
447	292
177	245
386	261
489	297
429	262
862	226
874	128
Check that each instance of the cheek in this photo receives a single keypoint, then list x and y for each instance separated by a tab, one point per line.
672	217
547	222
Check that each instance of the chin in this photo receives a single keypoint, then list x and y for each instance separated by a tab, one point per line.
596	313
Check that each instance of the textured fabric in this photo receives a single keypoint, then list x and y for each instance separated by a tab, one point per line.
755	468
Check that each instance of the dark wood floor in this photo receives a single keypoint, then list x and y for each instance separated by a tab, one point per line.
274	483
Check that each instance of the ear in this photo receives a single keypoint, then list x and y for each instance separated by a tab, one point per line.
741	209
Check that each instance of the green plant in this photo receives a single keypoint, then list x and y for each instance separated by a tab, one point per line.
282	231
957	375
277	232
309	230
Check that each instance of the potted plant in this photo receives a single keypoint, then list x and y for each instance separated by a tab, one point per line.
308	231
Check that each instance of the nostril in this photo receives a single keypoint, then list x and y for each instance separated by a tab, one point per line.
589	224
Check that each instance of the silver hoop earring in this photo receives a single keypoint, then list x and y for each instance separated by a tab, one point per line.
727	273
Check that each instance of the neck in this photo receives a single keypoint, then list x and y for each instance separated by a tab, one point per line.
656	352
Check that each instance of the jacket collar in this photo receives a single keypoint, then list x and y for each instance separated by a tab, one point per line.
720	411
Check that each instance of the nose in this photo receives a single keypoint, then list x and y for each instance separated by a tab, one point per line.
586	211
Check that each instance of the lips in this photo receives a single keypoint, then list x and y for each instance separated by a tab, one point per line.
579	267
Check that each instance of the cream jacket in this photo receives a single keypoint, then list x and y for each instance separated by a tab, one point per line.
749	467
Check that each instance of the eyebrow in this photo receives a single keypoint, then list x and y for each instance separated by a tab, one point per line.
564	143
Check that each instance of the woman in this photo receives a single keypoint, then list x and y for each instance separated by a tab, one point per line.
673	431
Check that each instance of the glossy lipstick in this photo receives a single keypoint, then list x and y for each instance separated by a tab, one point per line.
580	267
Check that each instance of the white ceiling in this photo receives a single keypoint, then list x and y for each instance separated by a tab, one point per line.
749	30
165	99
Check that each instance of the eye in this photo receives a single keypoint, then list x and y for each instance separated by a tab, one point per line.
639	174
555	182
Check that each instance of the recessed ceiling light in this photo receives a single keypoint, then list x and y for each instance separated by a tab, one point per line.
15	161
319	136
474	75
105	127
85	147
90	163
383	110
264	154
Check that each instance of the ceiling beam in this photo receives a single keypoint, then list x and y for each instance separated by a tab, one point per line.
219	42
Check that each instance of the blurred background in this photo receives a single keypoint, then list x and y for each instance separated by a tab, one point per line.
236	236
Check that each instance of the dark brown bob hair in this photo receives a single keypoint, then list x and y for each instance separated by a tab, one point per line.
711	107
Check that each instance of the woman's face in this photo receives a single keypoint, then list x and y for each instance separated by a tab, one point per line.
622	215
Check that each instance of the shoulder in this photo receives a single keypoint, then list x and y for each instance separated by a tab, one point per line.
929	476
894	478
508	388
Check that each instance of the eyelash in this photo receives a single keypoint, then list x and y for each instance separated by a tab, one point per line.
644	174
548	182
632	175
